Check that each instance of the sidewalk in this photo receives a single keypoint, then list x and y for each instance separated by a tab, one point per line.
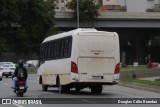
150	78
142	86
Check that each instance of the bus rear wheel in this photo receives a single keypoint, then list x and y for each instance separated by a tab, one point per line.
60	88
44	87
63	89
97	89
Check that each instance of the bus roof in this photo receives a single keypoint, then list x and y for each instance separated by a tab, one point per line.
69	33
60	35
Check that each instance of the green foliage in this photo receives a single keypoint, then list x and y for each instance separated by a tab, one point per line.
156	83
25	23
150	10
153	10
158	79
132	68
155	40
87	8
3	45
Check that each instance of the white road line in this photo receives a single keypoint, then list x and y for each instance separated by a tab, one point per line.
5	83
88	101
18	105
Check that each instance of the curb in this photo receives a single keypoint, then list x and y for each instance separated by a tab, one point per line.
140	86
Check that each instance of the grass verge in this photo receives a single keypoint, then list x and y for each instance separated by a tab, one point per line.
158	79
131	68
148	82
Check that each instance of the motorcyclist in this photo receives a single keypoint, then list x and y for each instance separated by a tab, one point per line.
16	74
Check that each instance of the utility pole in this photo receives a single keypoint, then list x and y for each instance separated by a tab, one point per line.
125	3
77	14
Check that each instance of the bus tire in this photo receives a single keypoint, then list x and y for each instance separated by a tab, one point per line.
40	80
44	87
97	89
66	89
78	89
60	88
63	89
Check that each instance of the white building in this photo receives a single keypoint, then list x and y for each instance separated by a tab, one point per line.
139	5
61	5
132	5
109	2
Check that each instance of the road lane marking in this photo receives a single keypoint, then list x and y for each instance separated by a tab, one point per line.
18	105
88	101
5	84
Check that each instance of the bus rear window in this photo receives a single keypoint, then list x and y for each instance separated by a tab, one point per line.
99	42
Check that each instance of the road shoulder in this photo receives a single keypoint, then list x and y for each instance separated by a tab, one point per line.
140	86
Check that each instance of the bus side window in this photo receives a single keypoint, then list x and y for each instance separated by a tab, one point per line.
69	46
57	49
42	52
52	49
65	48
46	51
62	48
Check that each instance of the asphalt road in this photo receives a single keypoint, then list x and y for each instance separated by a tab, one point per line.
81	99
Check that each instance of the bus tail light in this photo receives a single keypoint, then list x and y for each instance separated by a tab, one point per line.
117	69
74	67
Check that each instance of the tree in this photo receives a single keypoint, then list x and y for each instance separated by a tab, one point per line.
37	19
87	8
9	16
153	10
25	23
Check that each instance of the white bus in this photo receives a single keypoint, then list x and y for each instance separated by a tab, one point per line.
81	58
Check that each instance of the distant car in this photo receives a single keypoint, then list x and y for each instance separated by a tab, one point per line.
7	69
2	63
30	68
1	76
28	65
33	62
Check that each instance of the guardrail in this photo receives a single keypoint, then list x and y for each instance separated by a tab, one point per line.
116	15
150	72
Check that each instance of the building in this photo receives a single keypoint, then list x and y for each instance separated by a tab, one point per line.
117	5
129	5
61	5
109	2
139	5
111	6
105	5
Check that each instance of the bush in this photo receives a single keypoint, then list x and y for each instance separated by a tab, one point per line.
158	79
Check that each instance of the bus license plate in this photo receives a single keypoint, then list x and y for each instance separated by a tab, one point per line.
21	87
96	77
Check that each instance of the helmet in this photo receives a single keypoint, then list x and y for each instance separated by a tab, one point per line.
20	62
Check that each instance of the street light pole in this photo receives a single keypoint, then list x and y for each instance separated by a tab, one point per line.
77	14
125	3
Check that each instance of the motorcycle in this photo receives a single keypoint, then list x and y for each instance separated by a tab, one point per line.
20	87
